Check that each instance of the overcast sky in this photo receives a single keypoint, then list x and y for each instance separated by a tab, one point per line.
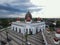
38	8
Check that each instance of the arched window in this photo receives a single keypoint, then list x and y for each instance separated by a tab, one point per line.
16	29
36	30
13	28
26	31
30	31
40	30
19	30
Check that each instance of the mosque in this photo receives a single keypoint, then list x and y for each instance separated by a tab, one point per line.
28	25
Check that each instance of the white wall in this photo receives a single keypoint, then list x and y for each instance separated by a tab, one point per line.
34	30
32	27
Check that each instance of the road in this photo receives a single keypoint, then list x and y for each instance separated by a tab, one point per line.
19	39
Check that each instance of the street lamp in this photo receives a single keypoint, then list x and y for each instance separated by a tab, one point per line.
26	36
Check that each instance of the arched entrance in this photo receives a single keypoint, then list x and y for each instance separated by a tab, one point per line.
13	28
40	30
16	29
30	31
19	30
36	30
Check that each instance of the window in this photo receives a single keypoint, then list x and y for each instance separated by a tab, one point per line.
40	30
19	30
36	30
26	31
13	28
29	29
16	29
30	32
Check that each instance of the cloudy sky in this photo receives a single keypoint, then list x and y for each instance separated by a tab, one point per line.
38	8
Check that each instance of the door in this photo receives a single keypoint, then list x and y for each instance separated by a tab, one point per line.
16	29
19	30
36	30
30	31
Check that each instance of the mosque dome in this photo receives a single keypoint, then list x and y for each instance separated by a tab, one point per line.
28	16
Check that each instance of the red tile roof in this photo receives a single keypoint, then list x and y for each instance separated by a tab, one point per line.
38	19
56	39
58	31
28	19
18	19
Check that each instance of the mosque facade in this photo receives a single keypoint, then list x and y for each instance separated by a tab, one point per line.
28	25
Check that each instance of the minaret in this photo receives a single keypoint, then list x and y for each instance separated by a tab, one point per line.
28	17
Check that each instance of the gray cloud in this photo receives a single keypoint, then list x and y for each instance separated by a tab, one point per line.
16	6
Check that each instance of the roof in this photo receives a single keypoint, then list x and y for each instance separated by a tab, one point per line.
58	30
28	14
56	39
23	23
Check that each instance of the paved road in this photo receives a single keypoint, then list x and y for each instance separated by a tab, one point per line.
32	38
14	38
18	38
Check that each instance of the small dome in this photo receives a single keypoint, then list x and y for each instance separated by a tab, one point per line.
28	16
28	19
18	19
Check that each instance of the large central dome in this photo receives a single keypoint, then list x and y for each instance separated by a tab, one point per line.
28	16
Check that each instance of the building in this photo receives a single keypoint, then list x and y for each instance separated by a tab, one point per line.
57	36
28	25
57	33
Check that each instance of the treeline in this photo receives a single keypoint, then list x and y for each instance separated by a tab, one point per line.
57	24
5	22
